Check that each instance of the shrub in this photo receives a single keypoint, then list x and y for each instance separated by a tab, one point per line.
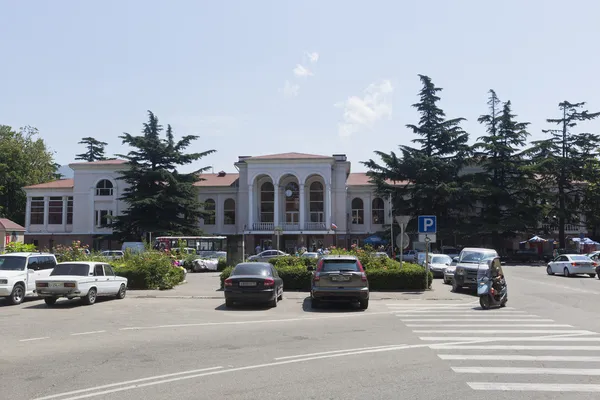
18	247
75	252
287	261
222	264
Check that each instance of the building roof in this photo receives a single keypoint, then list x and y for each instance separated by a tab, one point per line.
103	162
8	225
59	184
221	179
290	156
362	179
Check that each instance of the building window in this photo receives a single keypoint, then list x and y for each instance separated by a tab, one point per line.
316	202
104	188
292	203
55	211
358	211
229	212
36	215
103	218
267	202
70	211
209	206
378	213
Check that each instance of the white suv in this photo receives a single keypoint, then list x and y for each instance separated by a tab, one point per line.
19	271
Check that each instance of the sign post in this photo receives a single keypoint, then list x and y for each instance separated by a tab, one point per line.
427	228
402	220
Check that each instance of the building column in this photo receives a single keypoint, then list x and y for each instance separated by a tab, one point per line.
28	214
251	208
276	206
46	212
302	207
92	211
328	206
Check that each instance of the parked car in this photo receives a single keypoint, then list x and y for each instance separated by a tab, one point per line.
381	254
572	264
266	255
465	274
253	282
450	251
409	255
339	278
449	273
438	263
20	271
84	279
112	254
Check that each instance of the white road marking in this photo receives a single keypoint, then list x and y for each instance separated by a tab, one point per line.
534	387
476	320
515	339
86	333
513	347
490	325
340	351
496	331
35	338
127	383
528	371
258	321
493	357
465	313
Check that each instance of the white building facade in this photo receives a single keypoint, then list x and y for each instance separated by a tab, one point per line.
308	200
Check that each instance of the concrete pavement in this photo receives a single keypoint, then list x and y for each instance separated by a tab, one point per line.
161	348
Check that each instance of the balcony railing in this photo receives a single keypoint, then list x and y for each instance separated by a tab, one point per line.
569	228
315	226
286	226
263	226
290	227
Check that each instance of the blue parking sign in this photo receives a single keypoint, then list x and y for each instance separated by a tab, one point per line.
427	224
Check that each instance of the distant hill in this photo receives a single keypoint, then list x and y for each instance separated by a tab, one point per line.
66	172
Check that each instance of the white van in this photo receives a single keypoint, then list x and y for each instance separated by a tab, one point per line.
19	271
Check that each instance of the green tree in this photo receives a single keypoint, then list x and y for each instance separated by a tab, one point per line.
24	160
426	180
95	150
561	162
508	190
160	199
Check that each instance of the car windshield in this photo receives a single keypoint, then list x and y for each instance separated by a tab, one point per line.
71	269
340	265
475	257
248	269
12	263
441	260
580	258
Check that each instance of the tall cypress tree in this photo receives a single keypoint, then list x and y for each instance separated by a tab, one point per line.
432	183
95	150
561	161
161	200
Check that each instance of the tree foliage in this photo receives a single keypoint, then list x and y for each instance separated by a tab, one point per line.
94	152
24	160
160	199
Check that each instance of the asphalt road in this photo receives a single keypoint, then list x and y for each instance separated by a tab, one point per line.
544	345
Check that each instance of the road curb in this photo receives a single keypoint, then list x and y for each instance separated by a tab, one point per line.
145	296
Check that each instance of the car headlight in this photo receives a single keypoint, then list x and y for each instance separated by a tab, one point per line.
3	281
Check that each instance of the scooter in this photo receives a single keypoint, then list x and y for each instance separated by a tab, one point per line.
488	296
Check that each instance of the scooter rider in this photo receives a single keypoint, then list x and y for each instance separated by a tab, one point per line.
497	277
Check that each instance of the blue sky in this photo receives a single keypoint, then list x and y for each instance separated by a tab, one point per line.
260	77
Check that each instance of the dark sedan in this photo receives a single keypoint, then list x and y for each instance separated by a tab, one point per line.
253	282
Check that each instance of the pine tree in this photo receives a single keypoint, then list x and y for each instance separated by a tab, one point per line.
95	150
507	188
432	183
561	161
161	200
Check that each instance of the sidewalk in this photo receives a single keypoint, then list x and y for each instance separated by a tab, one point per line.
206	286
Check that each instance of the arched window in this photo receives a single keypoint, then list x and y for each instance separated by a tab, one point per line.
229	212
358	211
377	213
209	207
292	203
267	202
104	188
316	202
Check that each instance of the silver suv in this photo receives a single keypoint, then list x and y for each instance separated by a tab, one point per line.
339	278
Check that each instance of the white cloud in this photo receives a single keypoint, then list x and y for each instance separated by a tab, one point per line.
302	71
313	57
363	113
290	89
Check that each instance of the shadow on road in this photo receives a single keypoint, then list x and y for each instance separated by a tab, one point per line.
67	304
243	307
331	307
5	303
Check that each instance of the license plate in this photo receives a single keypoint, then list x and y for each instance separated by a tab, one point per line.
247	283
56	284
340	278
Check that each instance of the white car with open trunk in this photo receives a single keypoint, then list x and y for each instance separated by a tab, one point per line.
86	280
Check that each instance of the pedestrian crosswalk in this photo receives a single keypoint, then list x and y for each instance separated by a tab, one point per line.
506	349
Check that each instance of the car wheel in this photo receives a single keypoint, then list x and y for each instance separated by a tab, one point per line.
50	301
549	270
273	303
90	298
17	295
364	304
566	272
592	275
122	292
281	295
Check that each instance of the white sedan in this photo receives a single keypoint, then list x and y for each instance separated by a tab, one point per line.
86	280
572	264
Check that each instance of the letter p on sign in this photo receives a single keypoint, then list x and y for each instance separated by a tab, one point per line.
427	224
